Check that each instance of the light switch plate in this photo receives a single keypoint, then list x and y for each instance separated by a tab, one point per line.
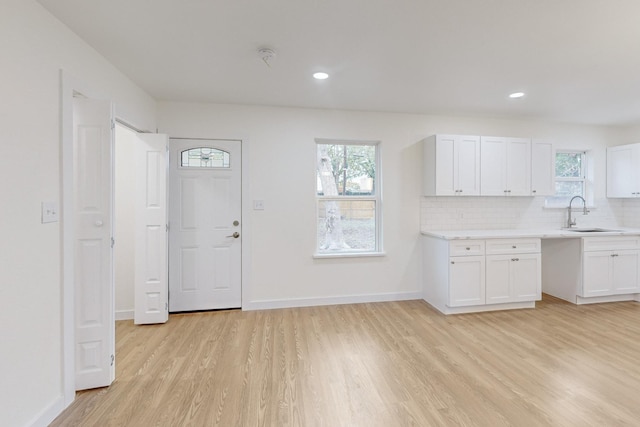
50	212
258	205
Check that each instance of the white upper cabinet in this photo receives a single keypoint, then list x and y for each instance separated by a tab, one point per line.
543	158
623	174
451	165
505	166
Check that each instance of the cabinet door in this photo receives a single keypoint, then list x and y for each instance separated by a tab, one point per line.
543	158
466	281
445	166
622	176
468	166
597	269
518	167
625	272
513	278
526	279
493	162
498	289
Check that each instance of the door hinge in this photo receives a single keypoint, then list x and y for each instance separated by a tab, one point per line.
167	227
113	124
113	358
113	242
166	306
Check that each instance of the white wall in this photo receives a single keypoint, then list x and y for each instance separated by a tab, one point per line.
35	46
282	173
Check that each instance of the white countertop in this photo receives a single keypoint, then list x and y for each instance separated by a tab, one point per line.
524	233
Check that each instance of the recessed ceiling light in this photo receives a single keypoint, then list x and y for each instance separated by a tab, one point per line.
320	76
516	95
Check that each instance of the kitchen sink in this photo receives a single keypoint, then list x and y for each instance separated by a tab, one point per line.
590	230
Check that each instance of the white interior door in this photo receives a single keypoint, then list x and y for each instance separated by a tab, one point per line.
93	275
151	275
205	229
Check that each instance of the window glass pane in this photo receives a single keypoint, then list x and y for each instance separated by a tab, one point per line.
204	157
346	225
346	170
569	188
565	190
569	165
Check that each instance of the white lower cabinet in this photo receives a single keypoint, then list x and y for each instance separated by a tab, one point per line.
513	278
466	281
479	275
592	269
610	272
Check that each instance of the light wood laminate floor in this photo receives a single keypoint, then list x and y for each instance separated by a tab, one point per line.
381	364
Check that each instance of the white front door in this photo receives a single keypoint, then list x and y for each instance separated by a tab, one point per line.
151	282
93	275
205	230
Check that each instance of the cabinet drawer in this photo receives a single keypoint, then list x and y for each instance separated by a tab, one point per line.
512	246
466	247
610	243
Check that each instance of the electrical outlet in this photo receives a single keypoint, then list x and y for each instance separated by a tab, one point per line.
258	205
50	212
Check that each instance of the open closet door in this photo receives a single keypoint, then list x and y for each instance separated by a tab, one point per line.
93	257
151	268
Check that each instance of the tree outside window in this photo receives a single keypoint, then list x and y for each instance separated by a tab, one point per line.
348	197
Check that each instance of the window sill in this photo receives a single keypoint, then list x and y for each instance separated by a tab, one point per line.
348	255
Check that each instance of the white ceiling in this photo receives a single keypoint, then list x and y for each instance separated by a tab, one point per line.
577	60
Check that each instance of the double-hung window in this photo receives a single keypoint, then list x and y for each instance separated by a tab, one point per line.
570	177
348	198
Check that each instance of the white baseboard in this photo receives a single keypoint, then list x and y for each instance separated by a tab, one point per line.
312	302
124	314
47	415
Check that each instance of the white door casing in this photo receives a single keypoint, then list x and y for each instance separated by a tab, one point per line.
151	275
205	232
93	272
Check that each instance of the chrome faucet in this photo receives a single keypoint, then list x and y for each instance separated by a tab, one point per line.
570	222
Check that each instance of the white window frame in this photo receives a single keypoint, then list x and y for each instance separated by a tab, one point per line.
376	198
585	179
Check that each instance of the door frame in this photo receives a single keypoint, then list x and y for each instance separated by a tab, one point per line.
243	202
245	209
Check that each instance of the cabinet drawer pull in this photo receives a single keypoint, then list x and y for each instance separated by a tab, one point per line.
513	247
515	259
614	254
453	262
468	249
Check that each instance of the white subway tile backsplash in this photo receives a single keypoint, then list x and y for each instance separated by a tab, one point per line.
466	213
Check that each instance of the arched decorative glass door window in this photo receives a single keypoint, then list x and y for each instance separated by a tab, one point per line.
204	157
